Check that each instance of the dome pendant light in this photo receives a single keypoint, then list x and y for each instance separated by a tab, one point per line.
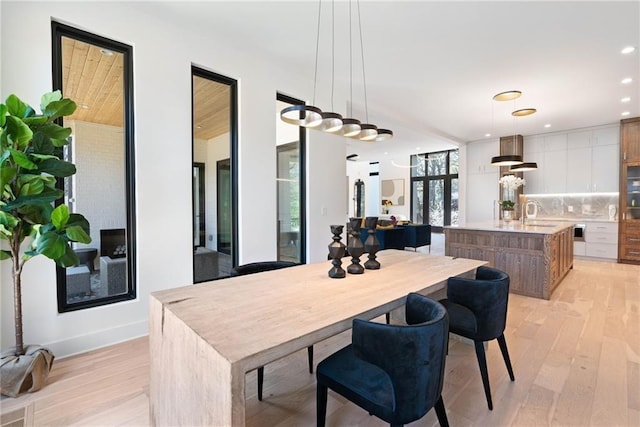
302	115
351	127
524	167
508	160
331	122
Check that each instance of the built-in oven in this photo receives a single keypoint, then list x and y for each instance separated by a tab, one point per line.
579	232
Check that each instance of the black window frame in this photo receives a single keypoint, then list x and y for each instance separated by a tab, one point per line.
58	31
302	137
447	177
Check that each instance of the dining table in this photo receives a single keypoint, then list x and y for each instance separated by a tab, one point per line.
205	338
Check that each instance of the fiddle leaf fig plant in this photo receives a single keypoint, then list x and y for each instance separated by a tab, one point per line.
30	164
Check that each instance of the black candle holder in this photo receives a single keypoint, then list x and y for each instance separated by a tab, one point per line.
336	252
355	247
371	245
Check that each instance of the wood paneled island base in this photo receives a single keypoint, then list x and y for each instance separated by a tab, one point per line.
204	338
536	257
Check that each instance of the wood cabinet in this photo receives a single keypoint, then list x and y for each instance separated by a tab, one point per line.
630	139
629	210
535	262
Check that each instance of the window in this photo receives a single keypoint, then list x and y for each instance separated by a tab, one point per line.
290	179
96	73
434	189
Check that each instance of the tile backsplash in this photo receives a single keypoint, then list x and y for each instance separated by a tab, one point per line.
571	206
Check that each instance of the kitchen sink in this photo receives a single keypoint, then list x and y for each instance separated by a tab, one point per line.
541	225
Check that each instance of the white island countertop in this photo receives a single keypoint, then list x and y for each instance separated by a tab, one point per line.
535	227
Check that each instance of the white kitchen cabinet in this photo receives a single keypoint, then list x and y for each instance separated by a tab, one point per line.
579	169
555	171
601	240
482	197
556	142
479	156
605	168
592	160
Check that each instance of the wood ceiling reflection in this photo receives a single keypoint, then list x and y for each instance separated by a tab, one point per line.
211	108
95	80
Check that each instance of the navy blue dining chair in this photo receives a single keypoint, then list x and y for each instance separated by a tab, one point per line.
478	311
394	372
257	267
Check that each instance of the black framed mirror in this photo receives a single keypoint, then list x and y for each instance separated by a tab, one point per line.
97	73
214	159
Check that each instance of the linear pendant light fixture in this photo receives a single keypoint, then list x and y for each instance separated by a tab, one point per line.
331	122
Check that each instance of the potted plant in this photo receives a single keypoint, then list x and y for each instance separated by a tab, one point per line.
507	207
30	164
510	184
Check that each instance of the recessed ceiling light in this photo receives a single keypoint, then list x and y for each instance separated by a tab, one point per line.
487	135
625	99
386	152
417	148
106	52
626	80
548	125
625	113
627	50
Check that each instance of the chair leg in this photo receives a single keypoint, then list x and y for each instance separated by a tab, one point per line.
505	355
441	413
388	317
482	363
321	405
260	381
310	354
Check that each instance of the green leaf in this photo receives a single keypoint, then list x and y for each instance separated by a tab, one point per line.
55	131
44	156
35	121
77	234
5	255
36	214
18	132
42	143
6	175
48	98
77	220
31	188
57	168
60	216
8	220
69	259
52	245
41	199
16	107
56	109
22	160
3	114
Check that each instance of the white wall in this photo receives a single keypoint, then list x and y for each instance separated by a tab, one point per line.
163	54
99	183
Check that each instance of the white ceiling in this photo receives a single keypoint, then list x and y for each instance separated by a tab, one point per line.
432	68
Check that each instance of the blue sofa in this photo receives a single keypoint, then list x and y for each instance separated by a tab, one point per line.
412	236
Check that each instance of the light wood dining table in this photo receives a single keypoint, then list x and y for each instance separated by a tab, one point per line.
204	338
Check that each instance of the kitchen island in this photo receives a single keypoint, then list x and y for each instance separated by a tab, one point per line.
536	256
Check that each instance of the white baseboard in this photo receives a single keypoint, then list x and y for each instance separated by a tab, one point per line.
98	339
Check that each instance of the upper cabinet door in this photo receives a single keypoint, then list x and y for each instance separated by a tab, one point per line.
630	139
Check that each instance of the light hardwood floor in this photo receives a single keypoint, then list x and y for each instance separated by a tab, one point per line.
576	360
